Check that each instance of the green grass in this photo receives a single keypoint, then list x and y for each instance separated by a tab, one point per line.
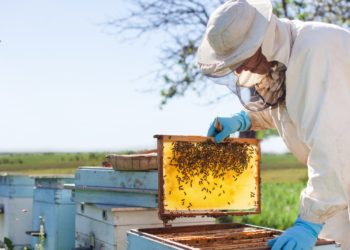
274	168
273	162
279	205
51	162
283	178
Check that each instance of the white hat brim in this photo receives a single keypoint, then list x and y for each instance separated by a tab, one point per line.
217	65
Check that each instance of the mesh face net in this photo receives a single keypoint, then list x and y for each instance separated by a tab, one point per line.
257	92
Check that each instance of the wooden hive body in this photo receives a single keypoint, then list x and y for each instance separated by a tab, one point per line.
226	236
53	208
16	195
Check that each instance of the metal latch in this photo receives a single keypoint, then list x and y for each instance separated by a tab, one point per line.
92	244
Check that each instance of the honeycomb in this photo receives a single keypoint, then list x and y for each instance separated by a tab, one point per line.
210	176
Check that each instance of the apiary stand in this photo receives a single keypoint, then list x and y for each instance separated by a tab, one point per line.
16	202
225	236
54	211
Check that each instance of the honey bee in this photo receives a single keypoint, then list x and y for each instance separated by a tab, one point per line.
169	192
219	194
229	203
182	199
223	191
205	197
185	193
213	188
220	186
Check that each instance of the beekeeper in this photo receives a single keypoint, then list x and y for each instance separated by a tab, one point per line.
300	72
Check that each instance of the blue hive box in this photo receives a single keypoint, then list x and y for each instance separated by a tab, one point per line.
113	187
16	202
53	213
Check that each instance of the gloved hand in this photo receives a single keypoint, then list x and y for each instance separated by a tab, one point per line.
238	122
302	236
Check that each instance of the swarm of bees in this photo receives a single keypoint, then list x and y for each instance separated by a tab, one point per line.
204	159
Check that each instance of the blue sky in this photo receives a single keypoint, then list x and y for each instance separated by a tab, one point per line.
66	85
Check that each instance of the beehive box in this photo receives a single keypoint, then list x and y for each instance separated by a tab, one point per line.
54	211
200	177
16	202
109	224
108	186
209	237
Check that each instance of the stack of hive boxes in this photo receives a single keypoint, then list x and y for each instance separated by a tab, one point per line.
111	202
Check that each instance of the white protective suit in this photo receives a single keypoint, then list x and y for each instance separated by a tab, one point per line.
314	121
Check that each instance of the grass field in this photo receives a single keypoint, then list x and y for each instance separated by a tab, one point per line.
275	168
283	178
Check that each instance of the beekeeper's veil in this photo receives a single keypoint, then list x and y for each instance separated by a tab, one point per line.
235	32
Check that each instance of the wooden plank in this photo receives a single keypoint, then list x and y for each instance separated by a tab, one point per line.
172	138
160	175
110	189
214	245
211	232
234	236
193	228
115	198
107	177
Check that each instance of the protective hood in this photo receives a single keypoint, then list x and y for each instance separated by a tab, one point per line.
276	47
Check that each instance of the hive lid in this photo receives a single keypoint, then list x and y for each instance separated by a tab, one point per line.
196	176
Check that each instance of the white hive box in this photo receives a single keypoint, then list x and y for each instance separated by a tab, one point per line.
16	196
109	224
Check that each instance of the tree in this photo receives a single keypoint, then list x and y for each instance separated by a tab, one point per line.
183	22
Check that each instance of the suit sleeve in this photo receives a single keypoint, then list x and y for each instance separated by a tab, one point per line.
260	120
